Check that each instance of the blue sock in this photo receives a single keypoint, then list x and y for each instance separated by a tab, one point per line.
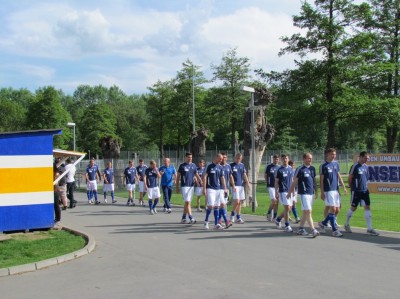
233	214
269	211
150	204
89	195
190	217
105	195
112	195
155	203
95	195
294	210
286	224
275	214
222	213
332	221
325	221
278	219
216	215
238	216
208	212
184	216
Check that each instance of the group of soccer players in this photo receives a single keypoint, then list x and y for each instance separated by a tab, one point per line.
284	183
214	181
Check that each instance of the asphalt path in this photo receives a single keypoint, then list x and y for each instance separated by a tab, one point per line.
138	255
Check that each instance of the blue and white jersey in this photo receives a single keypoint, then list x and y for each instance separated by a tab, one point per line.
166	178
130	175
270	174
227	173
151	175
285	177
330	172
238	171
109	174
360	177
187	172
200	172
140	171
91	172
305	176
214	175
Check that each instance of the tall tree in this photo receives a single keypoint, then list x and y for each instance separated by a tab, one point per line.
232	72
46	112
328	32
13	109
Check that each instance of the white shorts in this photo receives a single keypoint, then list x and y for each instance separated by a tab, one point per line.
92	185
198	191
187	193
213	197
153	193
332	199
239	193
306	202
130	187
141	187
283	200
223	199
271	191
108	187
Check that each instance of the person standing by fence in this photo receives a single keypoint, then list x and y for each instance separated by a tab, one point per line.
168	176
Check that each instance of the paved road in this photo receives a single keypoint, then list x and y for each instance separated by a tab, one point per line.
153	256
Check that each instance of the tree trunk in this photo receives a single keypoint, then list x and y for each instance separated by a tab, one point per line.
263	134
198	145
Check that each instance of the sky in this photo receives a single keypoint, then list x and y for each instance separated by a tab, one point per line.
134	43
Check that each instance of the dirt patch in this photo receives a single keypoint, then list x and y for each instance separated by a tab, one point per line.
31	236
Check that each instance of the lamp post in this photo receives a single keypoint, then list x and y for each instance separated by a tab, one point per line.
72	125
253	145
193	104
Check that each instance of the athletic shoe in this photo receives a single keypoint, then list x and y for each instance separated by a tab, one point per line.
269	217
151	212
218	227
97	202
302	232
199	210
315	233
240	221
337	233
297	220
278	224
288	229
372	232
114	201
347	228
155	211
169	211
90	202
232	219
183	221
127	203
321	227
192	221
228	224
206	225
105	201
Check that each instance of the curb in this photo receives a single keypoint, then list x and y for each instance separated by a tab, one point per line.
89	247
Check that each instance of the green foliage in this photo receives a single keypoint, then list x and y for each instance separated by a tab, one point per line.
13	109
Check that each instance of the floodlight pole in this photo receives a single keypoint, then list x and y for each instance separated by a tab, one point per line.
73	125
193	102
253	145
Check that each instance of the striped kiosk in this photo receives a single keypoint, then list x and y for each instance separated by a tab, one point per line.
26	180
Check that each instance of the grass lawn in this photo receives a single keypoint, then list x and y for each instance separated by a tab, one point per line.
24	248
385	208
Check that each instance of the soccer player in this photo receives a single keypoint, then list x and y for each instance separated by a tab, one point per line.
131	176
239	175
329	184
213	182
304	179
150	180
168	176
140	169
283	180
91	178
293	208
358	181
199	184
185	178
226	168
108	176
269	177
